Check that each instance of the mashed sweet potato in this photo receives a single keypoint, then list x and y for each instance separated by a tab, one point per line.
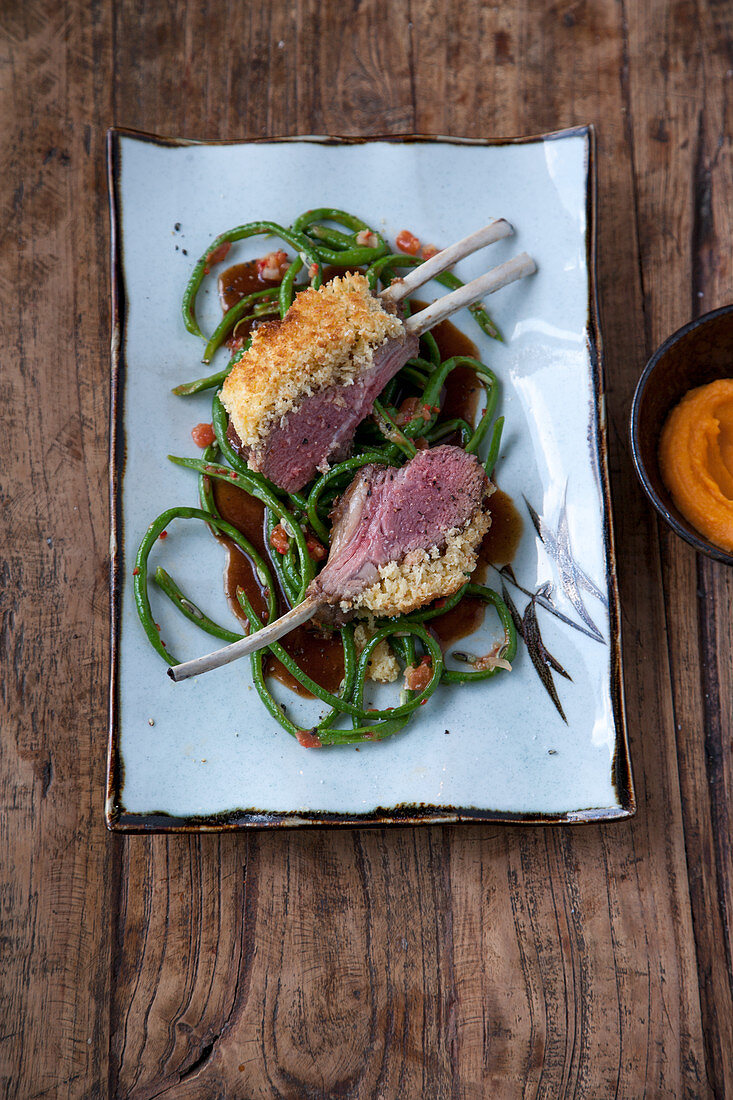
696	459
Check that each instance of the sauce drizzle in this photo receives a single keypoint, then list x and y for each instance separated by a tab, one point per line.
318	652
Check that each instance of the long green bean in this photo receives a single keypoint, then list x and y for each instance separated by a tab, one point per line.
508	650
258	489
140	572
238	312
296	240
319	237
192	611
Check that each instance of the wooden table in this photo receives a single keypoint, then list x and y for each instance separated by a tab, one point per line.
399	963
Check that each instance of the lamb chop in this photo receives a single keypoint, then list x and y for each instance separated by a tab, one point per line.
298	394
400	539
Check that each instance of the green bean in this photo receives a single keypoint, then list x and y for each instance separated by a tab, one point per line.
283	564
448	427
387	395
431	398
397	435
208	383
493	454
206	492
347	684
140	572
404	711
433	611
345	705
509	649
296	240
356	255
212	380
410	374
192	611
220	423
232	317
287	286
331	214
431	344
332	237
297	501
337	702
404	648
258	489
272	705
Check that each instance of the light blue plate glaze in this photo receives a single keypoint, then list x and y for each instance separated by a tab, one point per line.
213	757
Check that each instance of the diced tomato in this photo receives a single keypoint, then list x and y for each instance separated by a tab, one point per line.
408	242
417	677
203	435
136	572
279	539
428	251
308	739
316	549
273	266
411	408
163	535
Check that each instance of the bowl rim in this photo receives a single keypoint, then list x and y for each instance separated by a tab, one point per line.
689	534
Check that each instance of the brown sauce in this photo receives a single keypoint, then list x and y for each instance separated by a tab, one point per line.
460	400
502	538
236	283
319	653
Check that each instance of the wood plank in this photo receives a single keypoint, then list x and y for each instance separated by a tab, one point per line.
685	230
54	854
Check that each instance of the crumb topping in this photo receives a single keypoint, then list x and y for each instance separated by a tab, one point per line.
327	338
425	575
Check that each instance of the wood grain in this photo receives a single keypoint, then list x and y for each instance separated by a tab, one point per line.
407	963
54	854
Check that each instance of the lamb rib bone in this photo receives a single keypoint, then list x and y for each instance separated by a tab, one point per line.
446	258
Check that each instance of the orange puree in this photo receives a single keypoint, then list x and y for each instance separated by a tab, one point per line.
696	459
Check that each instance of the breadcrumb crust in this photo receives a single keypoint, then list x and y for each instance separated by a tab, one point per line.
425	575
382	666
327	337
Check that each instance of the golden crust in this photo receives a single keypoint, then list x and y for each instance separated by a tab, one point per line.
327	337
425	575
382	666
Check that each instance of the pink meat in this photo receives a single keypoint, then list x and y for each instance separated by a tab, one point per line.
386	513
322	428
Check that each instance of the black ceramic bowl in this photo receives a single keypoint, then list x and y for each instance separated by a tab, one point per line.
699	352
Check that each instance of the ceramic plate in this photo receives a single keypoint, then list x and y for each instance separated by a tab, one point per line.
532	745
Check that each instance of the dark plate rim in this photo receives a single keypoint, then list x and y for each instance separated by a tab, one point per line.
117	818
685	531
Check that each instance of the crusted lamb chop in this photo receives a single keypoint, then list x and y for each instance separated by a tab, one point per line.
298	394
401	538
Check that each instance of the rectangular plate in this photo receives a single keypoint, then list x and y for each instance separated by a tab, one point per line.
204	754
